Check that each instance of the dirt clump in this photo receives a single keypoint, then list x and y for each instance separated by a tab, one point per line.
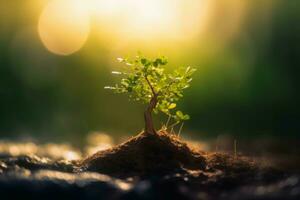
146	154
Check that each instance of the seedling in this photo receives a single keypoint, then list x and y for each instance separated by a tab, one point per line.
146	80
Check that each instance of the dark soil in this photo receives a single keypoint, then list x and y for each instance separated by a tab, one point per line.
146	154
146	167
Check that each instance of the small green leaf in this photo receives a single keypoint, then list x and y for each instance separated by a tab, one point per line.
179	114
143	61
172	105
186	117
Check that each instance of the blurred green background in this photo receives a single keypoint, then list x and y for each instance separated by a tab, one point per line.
55	60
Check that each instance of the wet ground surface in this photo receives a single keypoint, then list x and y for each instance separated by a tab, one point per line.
44	176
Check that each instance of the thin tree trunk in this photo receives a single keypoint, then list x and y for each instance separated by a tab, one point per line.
149	126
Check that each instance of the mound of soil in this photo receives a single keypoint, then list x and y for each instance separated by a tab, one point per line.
146	154
175	171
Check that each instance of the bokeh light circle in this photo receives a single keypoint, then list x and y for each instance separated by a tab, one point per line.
64	26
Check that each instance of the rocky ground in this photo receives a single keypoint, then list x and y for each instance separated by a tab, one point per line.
145	167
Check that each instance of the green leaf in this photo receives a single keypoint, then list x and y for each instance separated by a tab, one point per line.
172	105
179	114
143	61
186	117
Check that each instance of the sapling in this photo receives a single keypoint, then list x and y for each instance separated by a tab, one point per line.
146	80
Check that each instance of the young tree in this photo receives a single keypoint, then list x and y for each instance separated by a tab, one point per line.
147	81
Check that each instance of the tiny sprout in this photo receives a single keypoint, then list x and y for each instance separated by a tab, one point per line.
146	80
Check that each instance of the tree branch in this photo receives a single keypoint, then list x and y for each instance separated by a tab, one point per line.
151	87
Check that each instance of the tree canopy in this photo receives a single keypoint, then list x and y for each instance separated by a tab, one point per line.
146	80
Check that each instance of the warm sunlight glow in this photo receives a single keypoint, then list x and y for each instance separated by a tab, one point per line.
150	19
64	26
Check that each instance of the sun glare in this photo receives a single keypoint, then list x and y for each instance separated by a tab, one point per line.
64	26
150	19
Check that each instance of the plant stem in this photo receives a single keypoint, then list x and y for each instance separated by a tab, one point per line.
172	125
171	130
169	118
180	129
151	87
149	126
